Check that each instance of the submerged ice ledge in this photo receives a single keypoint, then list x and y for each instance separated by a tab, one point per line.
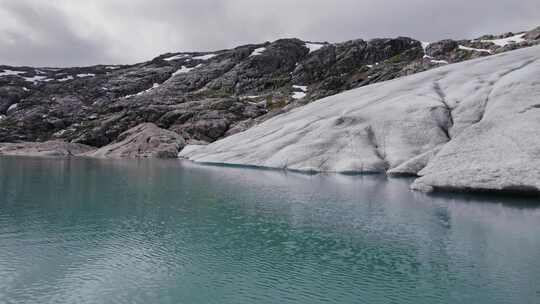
469	126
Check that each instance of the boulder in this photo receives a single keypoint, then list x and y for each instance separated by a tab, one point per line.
143	141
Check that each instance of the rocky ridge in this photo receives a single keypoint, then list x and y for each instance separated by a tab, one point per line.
205	96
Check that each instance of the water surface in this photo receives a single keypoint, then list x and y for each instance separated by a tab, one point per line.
101	231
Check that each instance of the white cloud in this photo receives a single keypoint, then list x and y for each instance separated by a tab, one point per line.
66	32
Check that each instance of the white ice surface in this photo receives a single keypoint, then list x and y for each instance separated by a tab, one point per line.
490	140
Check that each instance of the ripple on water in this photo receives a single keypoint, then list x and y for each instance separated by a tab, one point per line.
94	231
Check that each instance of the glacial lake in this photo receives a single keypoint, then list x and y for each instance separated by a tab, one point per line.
156	231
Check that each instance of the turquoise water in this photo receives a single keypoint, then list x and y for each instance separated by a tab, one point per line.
91	231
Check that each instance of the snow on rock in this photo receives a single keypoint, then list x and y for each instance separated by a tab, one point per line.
12	107
482	115
185	69
314	46
204	57
506	41
258	51
86	75
11	73
299	94
425	45
176	57
461	47
156	85
37	79
67	78
439	61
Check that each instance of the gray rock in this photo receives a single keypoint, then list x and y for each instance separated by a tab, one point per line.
143	141
55	148
442	48
533	34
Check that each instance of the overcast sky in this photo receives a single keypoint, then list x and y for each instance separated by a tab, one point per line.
74	32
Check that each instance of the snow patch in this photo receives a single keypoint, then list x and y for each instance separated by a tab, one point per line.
67	78
156	85
462	47
506	41
86	75
299	95
12	107
204	57
25	89
425	45
112	67
11	73
439	61
60	133
37	79
314	46
185	69
258	51
176	57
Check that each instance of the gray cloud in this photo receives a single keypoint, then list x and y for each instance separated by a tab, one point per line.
66	32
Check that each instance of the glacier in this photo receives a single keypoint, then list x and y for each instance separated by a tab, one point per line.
468	126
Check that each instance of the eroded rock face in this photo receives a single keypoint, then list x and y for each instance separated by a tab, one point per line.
143	141
468	126
55	148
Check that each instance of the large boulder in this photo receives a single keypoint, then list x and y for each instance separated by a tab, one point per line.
143	141
441	48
